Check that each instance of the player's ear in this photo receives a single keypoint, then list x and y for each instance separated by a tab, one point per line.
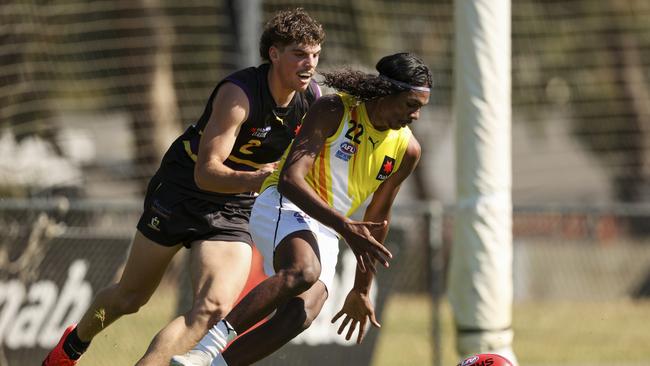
274	53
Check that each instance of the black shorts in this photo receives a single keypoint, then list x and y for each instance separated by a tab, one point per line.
171	216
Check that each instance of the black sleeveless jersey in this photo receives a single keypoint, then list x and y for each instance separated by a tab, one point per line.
262	138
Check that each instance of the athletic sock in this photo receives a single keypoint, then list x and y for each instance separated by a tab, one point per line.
217	338
73	346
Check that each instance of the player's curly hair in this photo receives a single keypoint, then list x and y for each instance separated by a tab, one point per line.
288	26
404	67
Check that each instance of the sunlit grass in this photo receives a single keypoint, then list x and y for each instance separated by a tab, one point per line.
546	333
583	333
125	341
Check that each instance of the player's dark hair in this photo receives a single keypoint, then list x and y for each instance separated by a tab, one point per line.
288	26
402	67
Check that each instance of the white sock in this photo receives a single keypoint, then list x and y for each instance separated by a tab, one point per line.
217	339
219	361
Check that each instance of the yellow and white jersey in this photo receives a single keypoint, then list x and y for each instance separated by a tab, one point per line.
354	161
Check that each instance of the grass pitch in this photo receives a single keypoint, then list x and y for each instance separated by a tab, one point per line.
546	334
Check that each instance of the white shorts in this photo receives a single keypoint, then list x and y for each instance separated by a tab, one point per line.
274	217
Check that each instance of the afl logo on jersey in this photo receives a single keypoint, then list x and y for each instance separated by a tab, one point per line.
345	151
386	168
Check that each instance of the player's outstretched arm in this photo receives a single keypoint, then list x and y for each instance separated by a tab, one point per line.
358	308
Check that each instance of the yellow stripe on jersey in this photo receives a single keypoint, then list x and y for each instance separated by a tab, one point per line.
188	150
324	177
245	162
194	157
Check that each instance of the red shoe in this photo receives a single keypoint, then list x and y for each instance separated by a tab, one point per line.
58	357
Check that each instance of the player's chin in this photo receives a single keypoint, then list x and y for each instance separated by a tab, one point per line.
302	84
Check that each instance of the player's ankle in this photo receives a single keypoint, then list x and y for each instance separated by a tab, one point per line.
217	338
73	346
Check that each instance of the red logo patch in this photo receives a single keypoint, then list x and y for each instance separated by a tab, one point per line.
386	168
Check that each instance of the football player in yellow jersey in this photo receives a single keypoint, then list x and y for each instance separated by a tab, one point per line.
352	145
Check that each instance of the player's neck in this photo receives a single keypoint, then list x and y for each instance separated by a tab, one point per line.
280	93
375	115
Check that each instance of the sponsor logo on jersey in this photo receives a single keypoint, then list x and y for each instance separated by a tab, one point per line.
373	142
154	223
345	151
386	168
260	132
301	217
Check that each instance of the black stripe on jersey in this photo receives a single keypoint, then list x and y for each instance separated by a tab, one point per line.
277	224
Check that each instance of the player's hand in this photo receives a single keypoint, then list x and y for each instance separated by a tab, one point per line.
268	168
357	310
263	172
365	247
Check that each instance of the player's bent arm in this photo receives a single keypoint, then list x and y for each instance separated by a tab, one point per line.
321	121
230	109
379	208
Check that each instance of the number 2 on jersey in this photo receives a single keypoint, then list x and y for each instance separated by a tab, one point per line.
245	148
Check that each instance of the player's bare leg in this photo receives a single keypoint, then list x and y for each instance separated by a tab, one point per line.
290	320
219	273
297	266
144	269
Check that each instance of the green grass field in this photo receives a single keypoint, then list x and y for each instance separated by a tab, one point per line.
545	333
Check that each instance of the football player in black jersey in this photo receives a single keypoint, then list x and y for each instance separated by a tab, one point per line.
202	194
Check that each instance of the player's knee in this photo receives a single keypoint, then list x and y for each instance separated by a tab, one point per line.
299	280
295	317
209	311
300	313
309	318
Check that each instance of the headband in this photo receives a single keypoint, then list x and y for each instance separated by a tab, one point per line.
404	85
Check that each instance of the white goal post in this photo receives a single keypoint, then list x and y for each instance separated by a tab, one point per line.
480	275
